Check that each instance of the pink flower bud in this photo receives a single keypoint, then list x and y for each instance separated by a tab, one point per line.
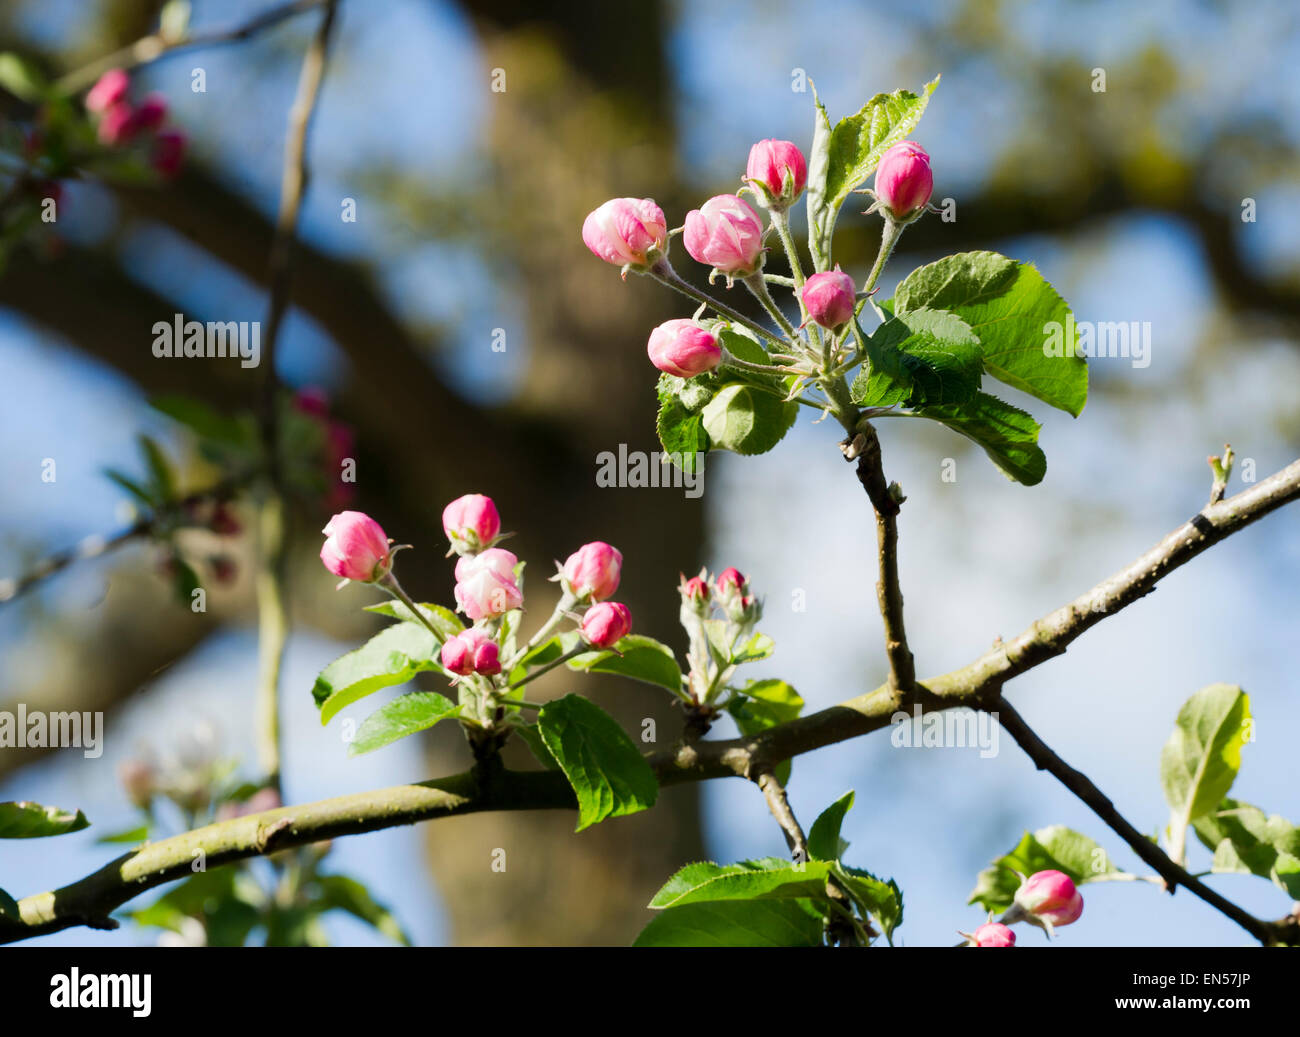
726	234
139	781
151	112
1049	898
471	522
903	179
485	584
683	348
117	125
168	152
694	591
774	162
108	91
829	298
592	572
626	231
730	582
471	651
356	548
606	623
993	934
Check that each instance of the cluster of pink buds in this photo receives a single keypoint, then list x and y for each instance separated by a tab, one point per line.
734	598
338	443
471	651
1046	899
120	123
730	594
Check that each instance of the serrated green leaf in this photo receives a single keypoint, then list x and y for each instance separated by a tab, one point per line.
341	893
1199	762
636	656
1055	848
1011	308
405	715
1008	435
746	419
824	842
880	900
762	879
680	427
922	357
736	923
27	820
1246	840
609	775
852	154
392	656
443	619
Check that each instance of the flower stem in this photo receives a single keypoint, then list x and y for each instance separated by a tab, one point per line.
390	584
755	283
577	649
888	239
665	274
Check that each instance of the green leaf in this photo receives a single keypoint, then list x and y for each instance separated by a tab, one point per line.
532	736
26	820
205	421
443	619
679	424
762	879
1055	848
392	656
1008	435
853	152
547	652
763	704
609	775
162	480
221	898
881	900
918	358
819	158
9	906
824	842
340	893
185	581
636	656
1199	762
736	923
130	836
1011	308
1246	840
131	486
747	420
22	78
405	715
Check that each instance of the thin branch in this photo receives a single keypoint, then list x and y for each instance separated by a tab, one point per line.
272	599
1077	782
90	900
155	45
774	793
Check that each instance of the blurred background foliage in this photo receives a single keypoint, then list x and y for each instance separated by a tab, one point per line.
469	206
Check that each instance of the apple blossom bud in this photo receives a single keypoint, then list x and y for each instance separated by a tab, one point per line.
829	298
904	180
151	112
485	584
168	152
695	594
606	623
471	651
726	234
683	348
108	91
626	231
779	169
592	572
116	125
992	934
471	523
138	780
356	548
733	595
1048	899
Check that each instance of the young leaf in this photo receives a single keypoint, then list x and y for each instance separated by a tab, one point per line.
1246	840
1054	848
132	487
203	420
824	842
162	480
763	704
818	170
609	775
746	419
1012	309
443	620
340	893
1008	435
679	424
131	836
392	656
882	901
856	146
636	656
768	877
918	358
736	923
27	820
1199	762
405	715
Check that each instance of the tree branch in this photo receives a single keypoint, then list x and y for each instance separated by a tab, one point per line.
1081	785
779	804
90	900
